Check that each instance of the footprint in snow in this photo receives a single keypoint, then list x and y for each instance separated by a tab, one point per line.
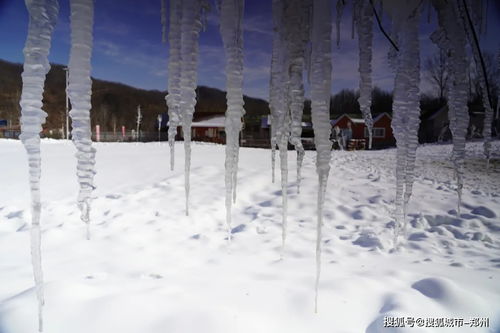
368	239
377	325
483	211
16	214
355	214
434	288
238	229
418	236
375	199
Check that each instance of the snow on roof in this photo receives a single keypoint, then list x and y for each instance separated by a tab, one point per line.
216	121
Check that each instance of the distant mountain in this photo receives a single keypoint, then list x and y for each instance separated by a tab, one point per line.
113	104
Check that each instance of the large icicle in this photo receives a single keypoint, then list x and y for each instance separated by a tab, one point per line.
275	81
272	134
79	92
297	27
42	19
467	21
321	81
231	17
406	105
190	30
451	39
278	103
174	75
363	14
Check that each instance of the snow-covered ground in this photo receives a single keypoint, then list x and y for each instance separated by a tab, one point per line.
150	269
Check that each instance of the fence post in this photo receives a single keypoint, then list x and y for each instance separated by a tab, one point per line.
97	133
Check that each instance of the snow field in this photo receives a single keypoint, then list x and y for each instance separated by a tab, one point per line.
150	268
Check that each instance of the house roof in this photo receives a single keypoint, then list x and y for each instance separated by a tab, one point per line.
380	116
216	121
359	120
353	120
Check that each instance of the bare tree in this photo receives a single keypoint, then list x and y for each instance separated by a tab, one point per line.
435	70
492	73
381	101
345	101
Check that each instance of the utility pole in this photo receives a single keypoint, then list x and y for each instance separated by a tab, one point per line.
67	102
139	118
160	118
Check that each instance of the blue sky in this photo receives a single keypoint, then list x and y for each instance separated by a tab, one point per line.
128	46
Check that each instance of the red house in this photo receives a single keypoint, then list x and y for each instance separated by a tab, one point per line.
207	129
382	131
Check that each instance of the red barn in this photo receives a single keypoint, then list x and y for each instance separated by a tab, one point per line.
382	131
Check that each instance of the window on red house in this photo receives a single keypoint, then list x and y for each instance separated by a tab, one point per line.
378	132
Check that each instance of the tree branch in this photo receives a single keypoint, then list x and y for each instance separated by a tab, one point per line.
382	28
478	48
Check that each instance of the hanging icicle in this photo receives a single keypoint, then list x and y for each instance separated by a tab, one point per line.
297	27
79	92
42	20
450	38
191	24
275	81
278	103
406	105
272	134
363	14
173	97
321	76
231	17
